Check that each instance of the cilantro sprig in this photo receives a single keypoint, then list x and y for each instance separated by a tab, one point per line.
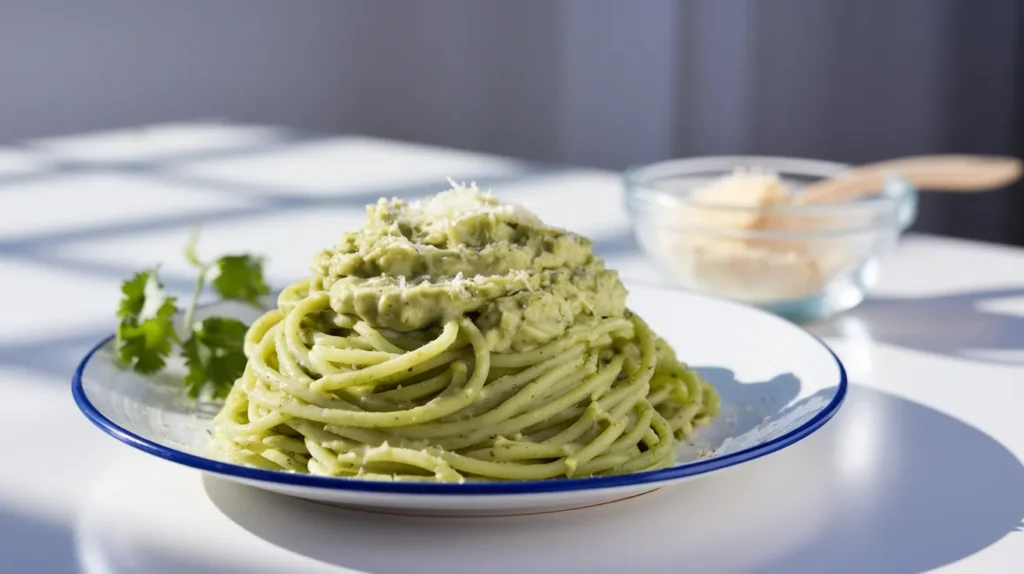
212	346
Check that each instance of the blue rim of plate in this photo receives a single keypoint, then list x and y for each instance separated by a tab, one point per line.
472	488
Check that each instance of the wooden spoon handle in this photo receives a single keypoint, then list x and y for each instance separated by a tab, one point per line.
962	173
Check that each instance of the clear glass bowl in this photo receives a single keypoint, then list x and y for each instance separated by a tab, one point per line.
803	262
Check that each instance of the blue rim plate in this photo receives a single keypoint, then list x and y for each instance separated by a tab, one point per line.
650	478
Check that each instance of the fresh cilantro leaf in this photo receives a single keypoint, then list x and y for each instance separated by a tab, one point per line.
133	291
145	332
240	277
214	355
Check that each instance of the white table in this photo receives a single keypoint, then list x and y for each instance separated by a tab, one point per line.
920	470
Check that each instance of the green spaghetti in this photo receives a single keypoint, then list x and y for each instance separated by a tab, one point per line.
454	339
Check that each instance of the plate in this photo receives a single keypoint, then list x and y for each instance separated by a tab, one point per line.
778	384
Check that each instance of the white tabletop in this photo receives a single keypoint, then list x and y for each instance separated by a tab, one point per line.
919	471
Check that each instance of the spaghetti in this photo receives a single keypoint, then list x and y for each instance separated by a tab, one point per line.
389	364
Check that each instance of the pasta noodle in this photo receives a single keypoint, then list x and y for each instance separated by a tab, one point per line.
466	384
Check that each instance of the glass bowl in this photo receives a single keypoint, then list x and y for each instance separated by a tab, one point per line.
803	262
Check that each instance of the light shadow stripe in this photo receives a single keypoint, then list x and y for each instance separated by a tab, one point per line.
270	206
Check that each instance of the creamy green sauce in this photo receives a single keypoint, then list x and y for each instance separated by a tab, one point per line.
414	265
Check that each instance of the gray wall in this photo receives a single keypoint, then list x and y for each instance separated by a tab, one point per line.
598	82
68	66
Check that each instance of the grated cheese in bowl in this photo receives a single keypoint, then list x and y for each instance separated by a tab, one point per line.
745	235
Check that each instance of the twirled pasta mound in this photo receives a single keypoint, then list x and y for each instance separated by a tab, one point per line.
458	338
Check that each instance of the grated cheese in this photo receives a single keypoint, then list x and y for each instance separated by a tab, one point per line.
749	269
459	286
446	209
524	276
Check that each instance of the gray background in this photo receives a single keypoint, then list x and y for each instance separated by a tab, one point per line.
595	82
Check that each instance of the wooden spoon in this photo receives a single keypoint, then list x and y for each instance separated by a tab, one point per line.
957	173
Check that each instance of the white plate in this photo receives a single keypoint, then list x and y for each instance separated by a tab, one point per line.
778	384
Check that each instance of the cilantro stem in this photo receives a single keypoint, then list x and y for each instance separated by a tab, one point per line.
190	310
190	248
190	255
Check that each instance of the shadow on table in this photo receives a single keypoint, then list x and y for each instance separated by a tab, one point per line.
955	325
32	544
940	490
745	406
888	486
